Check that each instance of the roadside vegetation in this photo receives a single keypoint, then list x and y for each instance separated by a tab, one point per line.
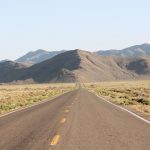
17	96
135	94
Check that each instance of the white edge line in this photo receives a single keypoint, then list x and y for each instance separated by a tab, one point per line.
26	107
132	113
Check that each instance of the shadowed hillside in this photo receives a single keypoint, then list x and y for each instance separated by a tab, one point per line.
140	66
10	71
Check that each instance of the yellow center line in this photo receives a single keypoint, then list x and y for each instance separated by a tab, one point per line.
55	140
66	110
63	120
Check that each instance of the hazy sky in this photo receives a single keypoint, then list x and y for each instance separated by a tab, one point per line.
27	25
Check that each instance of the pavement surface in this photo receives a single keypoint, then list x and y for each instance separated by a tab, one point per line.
77	120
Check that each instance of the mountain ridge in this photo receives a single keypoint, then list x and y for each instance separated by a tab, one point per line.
136	50
40	55
80	66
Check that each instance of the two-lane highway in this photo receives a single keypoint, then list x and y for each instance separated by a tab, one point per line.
77	120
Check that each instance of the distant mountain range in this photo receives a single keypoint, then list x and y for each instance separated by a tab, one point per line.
37	56
40	55
78	65
133	51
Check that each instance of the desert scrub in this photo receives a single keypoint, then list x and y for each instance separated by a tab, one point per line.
16	96
135	94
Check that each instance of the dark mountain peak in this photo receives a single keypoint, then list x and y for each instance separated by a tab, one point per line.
72	54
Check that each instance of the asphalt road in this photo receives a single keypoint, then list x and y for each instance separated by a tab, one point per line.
77	120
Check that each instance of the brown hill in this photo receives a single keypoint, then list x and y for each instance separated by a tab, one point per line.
78	65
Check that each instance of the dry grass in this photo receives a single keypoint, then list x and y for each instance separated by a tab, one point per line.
135	94
16	96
